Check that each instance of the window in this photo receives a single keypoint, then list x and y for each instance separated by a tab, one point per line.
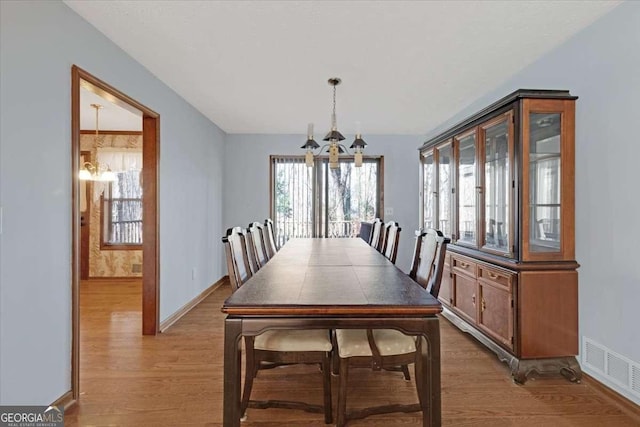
323	202
121	207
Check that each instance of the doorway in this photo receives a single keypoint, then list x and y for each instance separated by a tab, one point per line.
148	204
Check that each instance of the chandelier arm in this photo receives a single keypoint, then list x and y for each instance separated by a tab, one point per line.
318	151
344	147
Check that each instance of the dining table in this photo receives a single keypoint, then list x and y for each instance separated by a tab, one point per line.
331	283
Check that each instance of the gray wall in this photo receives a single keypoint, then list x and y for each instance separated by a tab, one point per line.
40	43
247	179
601	65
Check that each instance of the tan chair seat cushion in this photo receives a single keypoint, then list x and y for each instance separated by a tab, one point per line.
294	340
354	342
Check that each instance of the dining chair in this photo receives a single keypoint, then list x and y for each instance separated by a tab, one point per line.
428	259
238	259
365	231
391	238
276	348
376	235
390	349
270	238
255	233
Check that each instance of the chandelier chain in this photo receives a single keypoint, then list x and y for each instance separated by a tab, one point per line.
334	124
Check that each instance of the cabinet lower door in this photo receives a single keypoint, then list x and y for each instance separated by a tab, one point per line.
496	313
464	297
446	295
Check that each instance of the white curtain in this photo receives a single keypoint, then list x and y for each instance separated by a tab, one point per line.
118	160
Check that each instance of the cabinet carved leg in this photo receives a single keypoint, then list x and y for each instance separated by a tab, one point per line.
568	367
521	369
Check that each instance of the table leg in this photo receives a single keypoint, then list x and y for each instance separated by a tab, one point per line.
431	372
232	361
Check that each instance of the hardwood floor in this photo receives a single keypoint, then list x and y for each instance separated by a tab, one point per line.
175	378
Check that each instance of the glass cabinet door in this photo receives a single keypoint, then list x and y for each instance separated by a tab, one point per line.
467	189
445	177
497	145
548	179
544	182
428	191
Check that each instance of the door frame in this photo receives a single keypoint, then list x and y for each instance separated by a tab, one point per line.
150	223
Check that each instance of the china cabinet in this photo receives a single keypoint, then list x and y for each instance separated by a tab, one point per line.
500	185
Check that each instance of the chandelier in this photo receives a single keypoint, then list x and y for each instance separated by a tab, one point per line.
334	137
96	172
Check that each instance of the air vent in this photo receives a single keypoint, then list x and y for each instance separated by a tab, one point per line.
136	268
635	379
618	369
612	367
593	355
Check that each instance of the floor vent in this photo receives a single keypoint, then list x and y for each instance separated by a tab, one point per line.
612	366
635	379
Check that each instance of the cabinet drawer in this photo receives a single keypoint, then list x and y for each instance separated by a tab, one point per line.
464	266
499	278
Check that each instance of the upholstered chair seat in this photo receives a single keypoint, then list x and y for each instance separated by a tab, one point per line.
293	340
354	342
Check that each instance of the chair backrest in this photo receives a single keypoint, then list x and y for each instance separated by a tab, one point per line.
255	232
366	228
269	238
376	235
428	259
238	258
391	239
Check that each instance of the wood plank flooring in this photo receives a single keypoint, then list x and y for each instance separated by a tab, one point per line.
175	378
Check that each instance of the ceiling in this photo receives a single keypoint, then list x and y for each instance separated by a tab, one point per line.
110	116
406	66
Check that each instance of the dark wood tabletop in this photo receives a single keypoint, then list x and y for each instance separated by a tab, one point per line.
330	277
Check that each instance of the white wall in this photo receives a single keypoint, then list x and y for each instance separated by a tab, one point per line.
40	41
601	65
247	179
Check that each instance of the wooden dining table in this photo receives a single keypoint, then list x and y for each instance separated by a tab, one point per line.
331	284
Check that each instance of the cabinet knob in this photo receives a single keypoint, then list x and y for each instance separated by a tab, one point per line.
473	299
483	305
492	275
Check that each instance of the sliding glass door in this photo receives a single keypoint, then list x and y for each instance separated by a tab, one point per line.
323	202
